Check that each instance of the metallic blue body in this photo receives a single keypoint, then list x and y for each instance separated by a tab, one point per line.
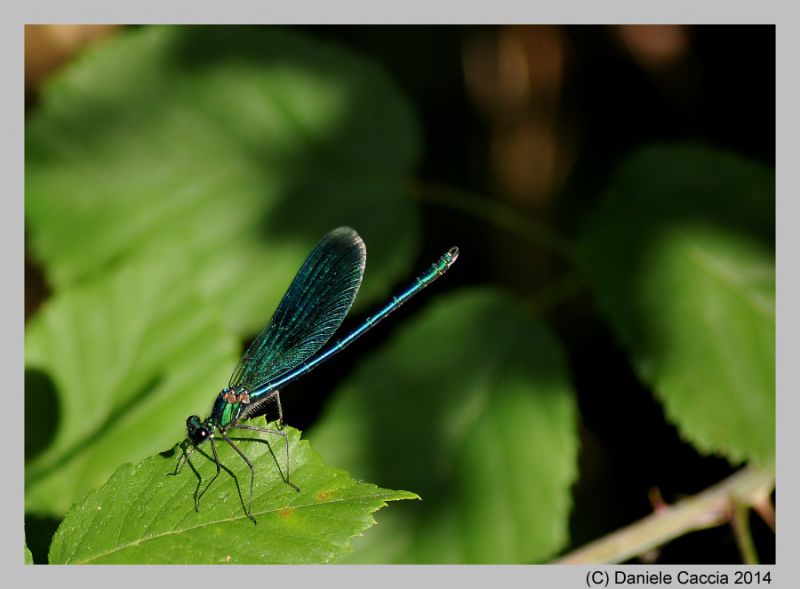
435	271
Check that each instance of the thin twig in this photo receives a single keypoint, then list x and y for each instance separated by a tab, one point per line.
740	522
558	292
766	510
709	508
497	214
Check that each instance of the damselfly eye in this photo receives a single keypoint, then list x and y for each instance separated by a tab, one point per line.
198	435
196	431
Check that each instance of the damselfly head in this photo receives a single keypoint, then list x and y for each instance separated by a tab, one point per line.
197	432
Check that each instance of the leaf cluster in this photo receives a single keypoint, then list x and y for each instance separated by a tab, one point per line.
169	209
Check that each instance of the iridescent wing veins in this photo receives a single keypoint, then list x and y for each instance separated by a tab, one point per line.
311	310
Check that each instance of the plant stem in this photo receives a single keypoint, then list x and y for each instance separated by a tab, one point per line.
709	508
740	523
558	291
766	511
496	214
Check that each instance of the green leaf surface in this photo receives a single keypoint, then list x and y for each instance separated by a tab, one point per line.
682	261
127	357
471	406
145	516
241	145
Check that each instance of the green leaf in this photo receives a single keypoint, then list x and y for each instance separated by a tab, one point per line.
145	516
130	355
471	406
701	183
28	555
240	145
682	261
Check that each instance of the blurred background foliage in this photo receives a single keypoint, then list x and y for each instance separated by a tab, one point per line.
606	337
